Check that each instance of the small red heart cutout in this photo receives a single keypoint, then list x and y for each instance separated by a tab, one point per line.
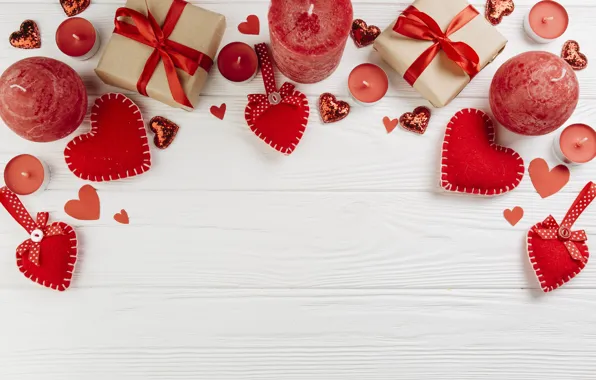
122	217
472	163
86	207
416	121
548	182
27	37
572	55
165	131
219	112
74	7
497	9
252	25
513	216
390	124
332	110
364	34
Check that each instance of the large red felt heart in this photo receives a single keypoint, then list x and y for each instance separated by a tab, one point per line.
472	163
117	145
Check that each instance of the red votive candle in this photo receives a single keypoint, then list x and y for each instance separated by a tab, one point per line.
77	38
26	174
576	144
546	21
368	84
308	37
238	62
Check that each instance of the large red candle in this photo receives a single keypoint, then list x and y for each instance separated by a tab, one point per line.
308	37
42	99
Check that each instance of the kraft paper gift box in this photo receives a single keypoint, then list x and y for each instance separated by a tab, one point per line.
124	59
442	80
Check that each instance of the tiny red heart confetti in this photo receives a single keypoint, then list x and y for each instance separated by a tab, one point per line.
86	207
252	25
390	124
74	7
497	9
332	110
219	112
572	55
27	37
364	34
122	217
548	182
416	121
165	131
513	216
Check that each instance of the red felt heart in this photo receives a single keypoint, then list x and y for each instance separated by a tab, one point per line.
122	217
364	34
572	55
219	112
513	216
86	207
252	25
497	9
74	7
548	182
117	145
471	161
390	124
417	121
27	37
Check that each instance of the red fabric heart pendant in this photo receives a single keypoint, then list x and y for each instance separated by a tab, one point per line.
117	145
471	161
280	117
557	253
48	257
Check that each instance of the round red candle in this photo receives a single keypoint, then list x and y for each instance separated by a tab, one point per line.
368	83
576	144
546	21
77	38
534	93
42	99
238	62
25	174
308	37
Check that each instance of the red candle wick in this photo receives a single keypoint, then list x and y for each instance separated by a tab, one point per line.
76	37
365	84
581	142
547	19
25	174
238	61
19	87
311	9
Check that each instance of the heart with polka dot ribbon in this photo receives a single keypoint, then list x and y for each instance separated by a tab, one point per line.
557	253
48	257
278	117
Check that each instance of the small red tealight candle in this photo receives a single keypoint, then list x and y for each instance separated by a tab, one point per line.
77	38
546	21
26	174
576	144
238	62
368	84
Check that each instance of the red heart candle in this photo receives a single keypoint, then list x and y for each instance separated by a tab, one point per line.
308	37
42	99
77	38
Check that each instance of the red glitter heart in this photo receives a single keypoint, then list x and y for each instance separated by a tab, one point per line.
165	131
571	54
364	34
332	110
416	121
497	9
27	37
74	7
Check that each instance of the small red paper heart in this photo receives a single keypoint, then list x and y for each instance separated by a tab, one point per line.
548	182
416	121
117	145
252	25
165	131
219	112
513	216
572	55
332	110
364	34
86	207
472	163
390	124
74	7
122	217
27	37
497	9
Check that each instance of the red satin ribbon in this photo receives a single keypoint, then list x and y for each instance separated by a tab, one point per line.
147	31
33	249
420	26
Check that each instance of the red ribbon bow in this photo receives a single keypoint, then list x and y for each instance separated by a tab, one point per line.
32	246
174	55
420	26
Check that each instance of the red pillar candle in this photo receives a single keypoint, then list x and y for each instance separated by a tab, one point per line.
238	62
26	174
576	144
368	84
308	37
77	38
546	21
42	99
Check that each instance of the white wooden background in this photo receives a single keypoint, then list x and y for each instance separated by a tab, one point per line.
343	261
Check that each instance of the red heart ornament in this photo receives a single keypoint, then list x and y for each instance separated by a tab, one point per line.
74	7
117	145
332	110
471	161
278	118
417	121
27	37
252	25
557	253
364	34
572	55
497	9
48	257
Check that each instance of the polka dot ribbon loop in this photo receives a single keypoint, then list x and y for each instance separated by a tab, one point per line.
286	93
563	232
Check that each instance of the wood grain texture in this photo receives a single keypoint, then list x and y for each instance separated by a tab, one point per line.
343	261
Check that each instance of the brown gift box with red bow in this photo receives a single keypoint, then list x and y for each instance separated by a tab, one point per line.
442	80
124	59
